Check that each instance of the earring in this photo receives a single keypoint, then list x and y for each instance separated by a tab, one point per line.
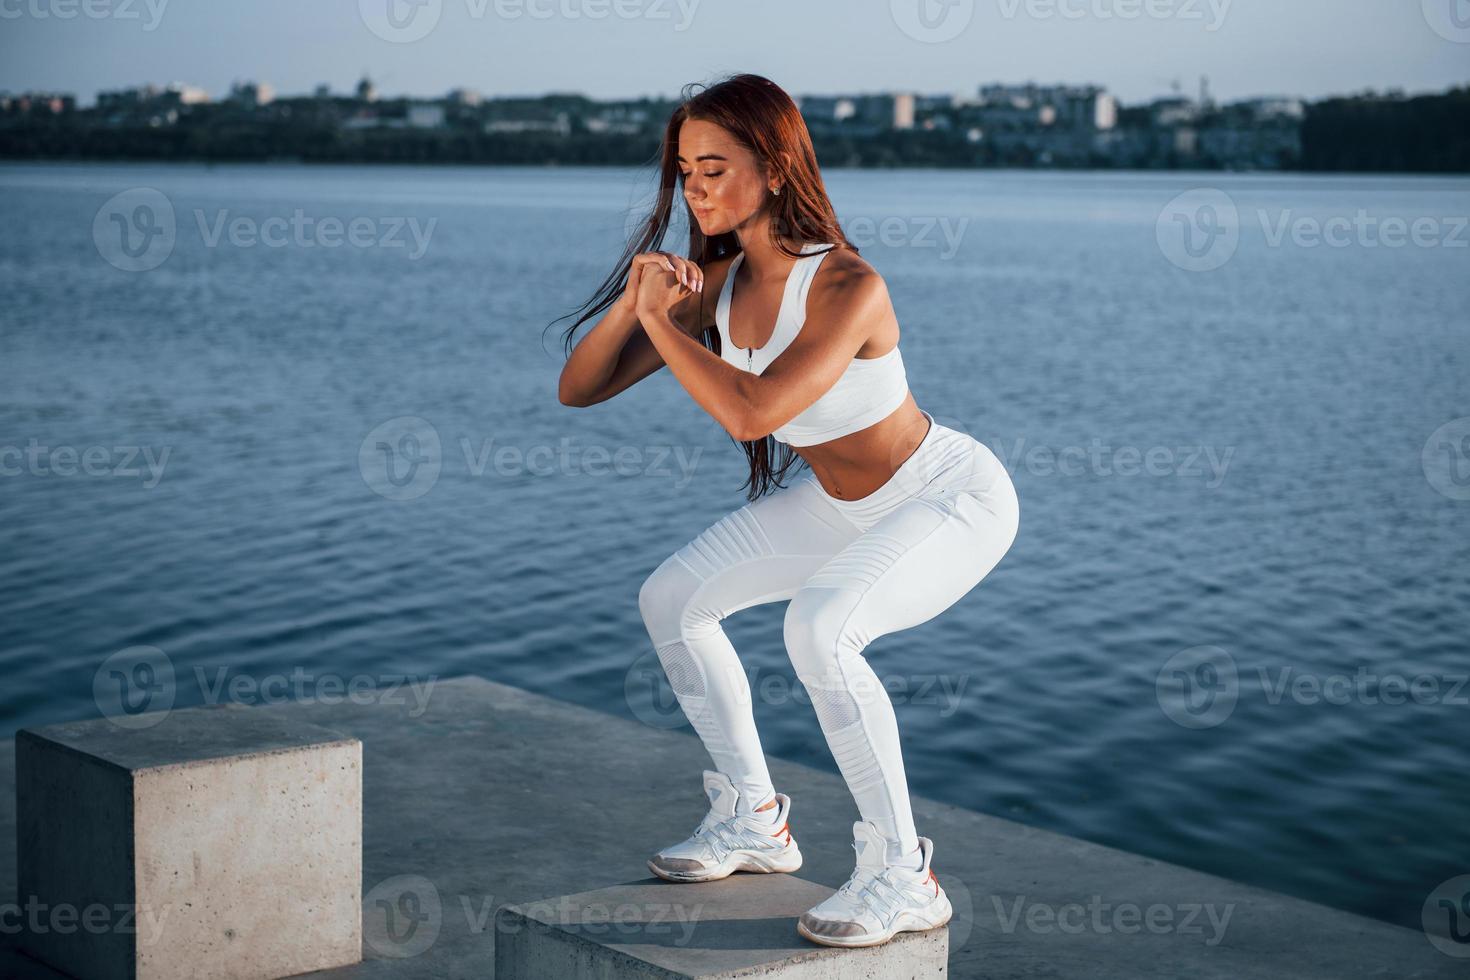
777	192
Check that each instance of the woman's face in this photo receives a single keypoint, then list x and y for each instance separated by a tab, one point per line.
724	182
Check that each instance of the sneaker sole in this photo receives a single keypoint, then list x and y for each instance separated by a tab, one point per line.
736	861
921	923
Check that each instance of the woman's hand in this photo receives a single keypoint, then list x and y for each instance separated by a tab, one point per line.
659	280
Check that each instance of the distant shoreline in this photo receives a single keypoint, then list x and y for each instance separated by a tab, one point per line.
650	168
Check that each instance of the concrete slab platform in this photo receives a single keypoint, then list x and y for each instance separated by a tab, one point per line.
483	794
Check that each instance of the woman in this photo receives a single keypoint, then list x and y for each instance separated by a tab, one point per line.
900	516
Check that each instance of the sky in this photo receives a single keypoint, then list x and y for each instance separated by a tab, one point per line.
611	49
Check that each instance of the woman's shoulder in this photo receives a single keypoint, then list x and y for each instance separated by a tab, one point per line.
845	273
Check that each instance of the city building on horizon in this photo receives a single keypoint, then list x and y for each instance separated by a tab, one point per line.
993	124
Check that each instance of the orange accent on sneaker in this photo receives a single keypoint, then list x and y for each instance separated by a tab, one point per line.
935	880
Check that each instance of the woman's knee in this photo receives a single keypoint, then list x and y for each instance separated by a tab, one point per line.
664	597
816	629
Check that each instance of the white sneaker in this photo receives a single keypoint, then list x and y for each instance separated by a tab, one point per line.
726	842
878	901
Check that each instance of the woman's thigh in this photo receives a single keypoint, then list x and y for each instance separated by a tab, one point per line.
921	558
762	552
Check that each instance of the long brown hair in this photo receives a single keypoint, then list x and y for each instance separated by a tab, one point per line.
764	119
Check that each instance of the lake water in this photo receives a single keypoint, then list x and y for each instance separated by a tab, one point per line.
1232	632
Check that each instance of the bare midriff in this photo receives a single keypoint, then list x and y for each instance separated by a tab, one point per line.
854	465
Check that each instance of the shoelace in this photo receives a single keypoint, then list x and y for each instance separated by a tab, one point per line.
863	887
722	835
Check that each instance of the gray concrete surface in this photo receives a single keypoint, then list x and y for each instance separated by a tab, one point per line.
659	930
494	795
222	842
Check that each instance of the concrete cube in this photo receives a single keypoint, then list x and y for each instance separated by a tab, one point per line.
221	842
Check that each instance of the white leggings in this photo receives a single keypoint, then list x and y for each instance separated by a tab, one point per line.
853	570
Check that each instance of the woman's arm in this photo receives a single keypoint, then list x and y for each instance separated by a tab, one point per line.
606	354
841	315
615	354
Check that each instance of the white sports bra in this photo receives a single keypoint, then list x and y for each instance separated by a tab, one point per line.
870	390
